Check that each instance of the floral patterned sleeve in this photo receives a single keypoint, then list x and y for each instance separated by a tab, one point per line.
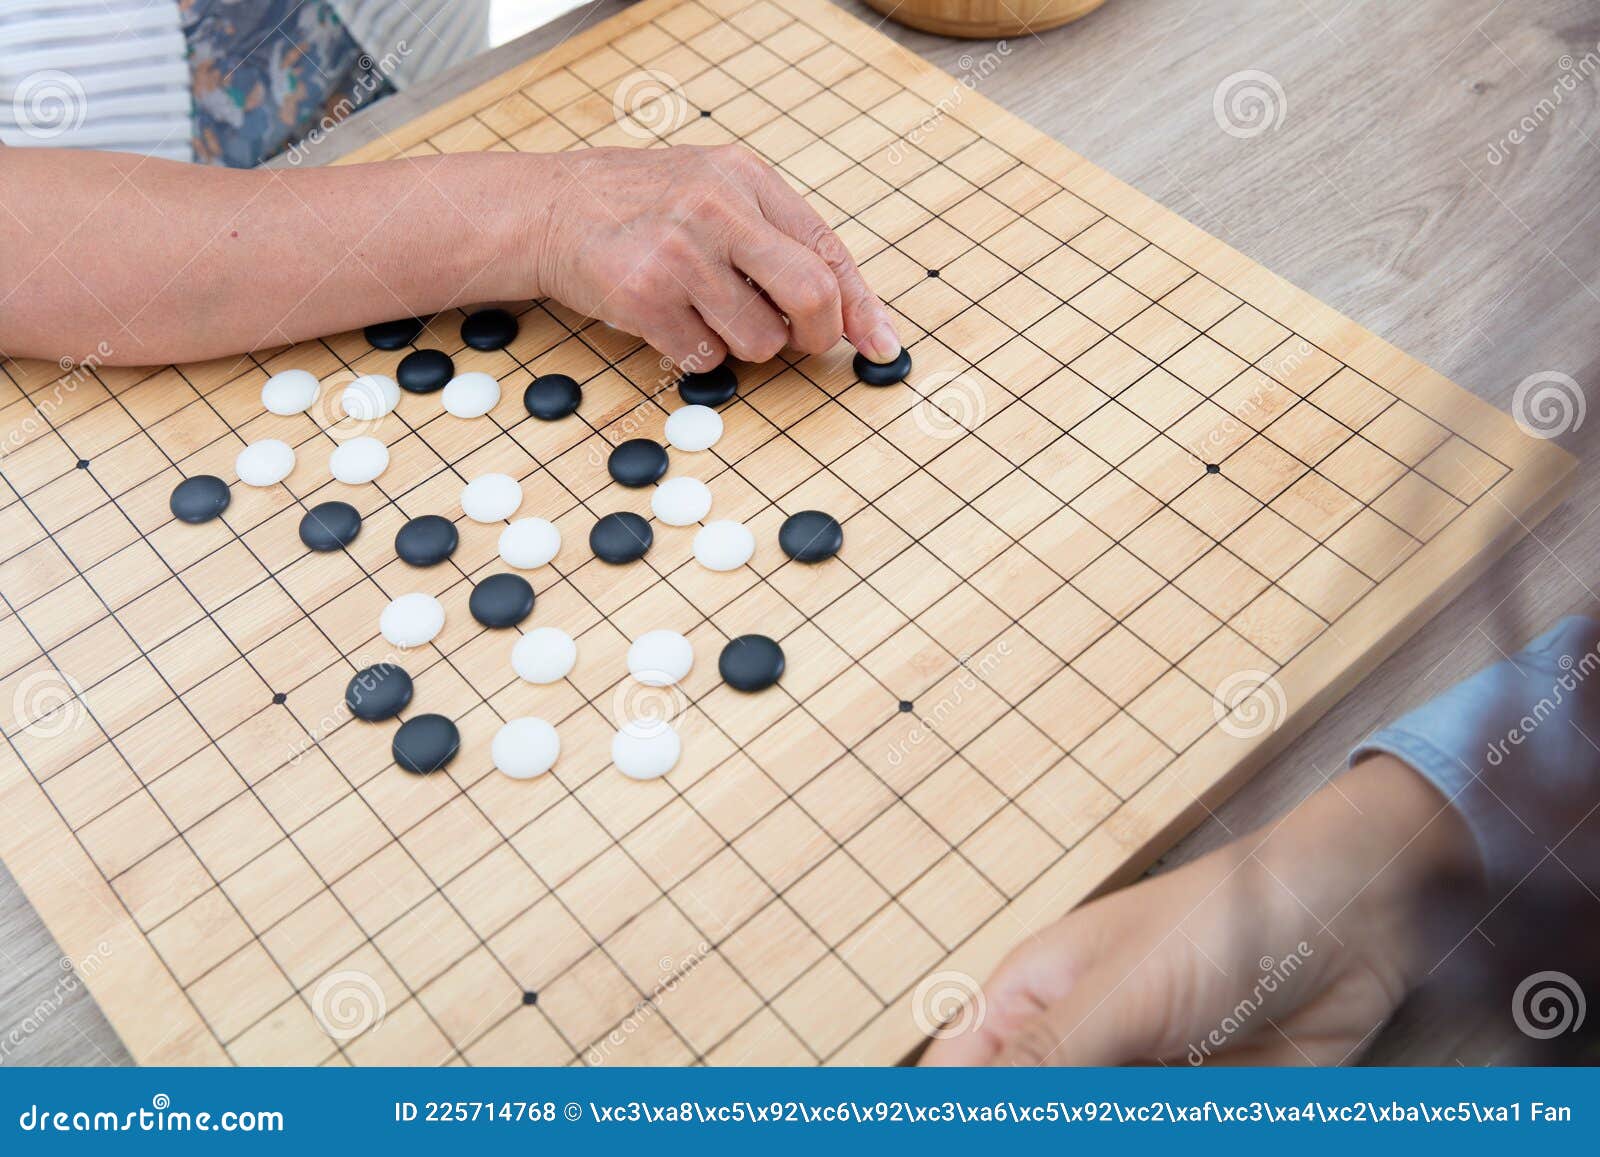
268	72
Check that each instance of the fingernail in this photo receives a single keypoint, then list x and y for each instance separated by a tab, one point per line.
882	343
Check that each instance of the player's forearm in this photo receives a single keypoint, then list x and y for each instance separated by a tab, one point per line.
155	261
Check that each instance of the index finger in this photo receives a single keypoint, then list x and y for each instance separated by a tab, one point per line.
866	322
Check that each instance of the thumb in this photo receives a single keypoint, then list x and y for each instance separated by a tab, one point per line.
1112	1016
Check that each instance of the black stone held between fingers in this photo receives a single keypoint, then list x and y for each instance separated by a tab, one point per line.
330	526
810	536
425	371
200	499
638	462
378	692
426	541
489	329
621	537
883	373
426	743
501	600
751	663
393	335
552	396
711	388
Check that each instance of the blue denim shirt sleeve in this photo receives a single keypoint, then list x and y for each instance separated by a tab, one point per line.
1515	748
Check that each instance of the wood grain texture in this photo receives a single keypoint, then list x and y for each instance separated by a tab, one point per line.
1135	845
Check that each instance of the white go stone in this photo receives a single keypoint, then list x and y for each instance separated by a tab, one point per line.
694	427
412	620
264	463
359	460
681	501
471	395
491	497
370	397
724	545
544	655
529	542
646	751
289	392
660	658
525	747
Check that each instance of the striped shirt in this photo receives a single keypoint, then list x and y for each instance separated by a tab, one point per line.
116	74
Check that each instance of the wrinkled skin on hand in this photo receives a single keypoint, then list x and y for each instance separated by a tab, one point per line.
702	252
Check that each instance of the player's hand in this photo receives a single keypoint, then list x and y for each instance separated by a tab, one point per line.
701	251
1286	948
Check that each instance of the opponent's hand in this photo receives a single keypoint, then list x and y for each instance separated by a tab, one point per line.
1291	947
702	251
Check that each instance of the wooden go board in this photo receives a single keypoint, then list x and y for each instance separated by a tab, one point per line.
1094	635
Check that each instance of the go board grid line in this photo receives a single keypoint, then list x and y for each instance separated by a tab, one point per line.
180	833
983	596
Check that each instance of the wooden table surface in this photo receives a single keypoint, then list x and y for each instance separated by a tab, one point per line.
1392	190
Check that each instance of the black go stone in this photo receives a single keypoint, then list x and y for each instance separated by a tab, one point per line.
378	692
426	541
810	536
751	663
425	371
712	388
393	335
489	329
638	462
552	396
330	526
426	743
621	537
200	499
883	373
501	600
